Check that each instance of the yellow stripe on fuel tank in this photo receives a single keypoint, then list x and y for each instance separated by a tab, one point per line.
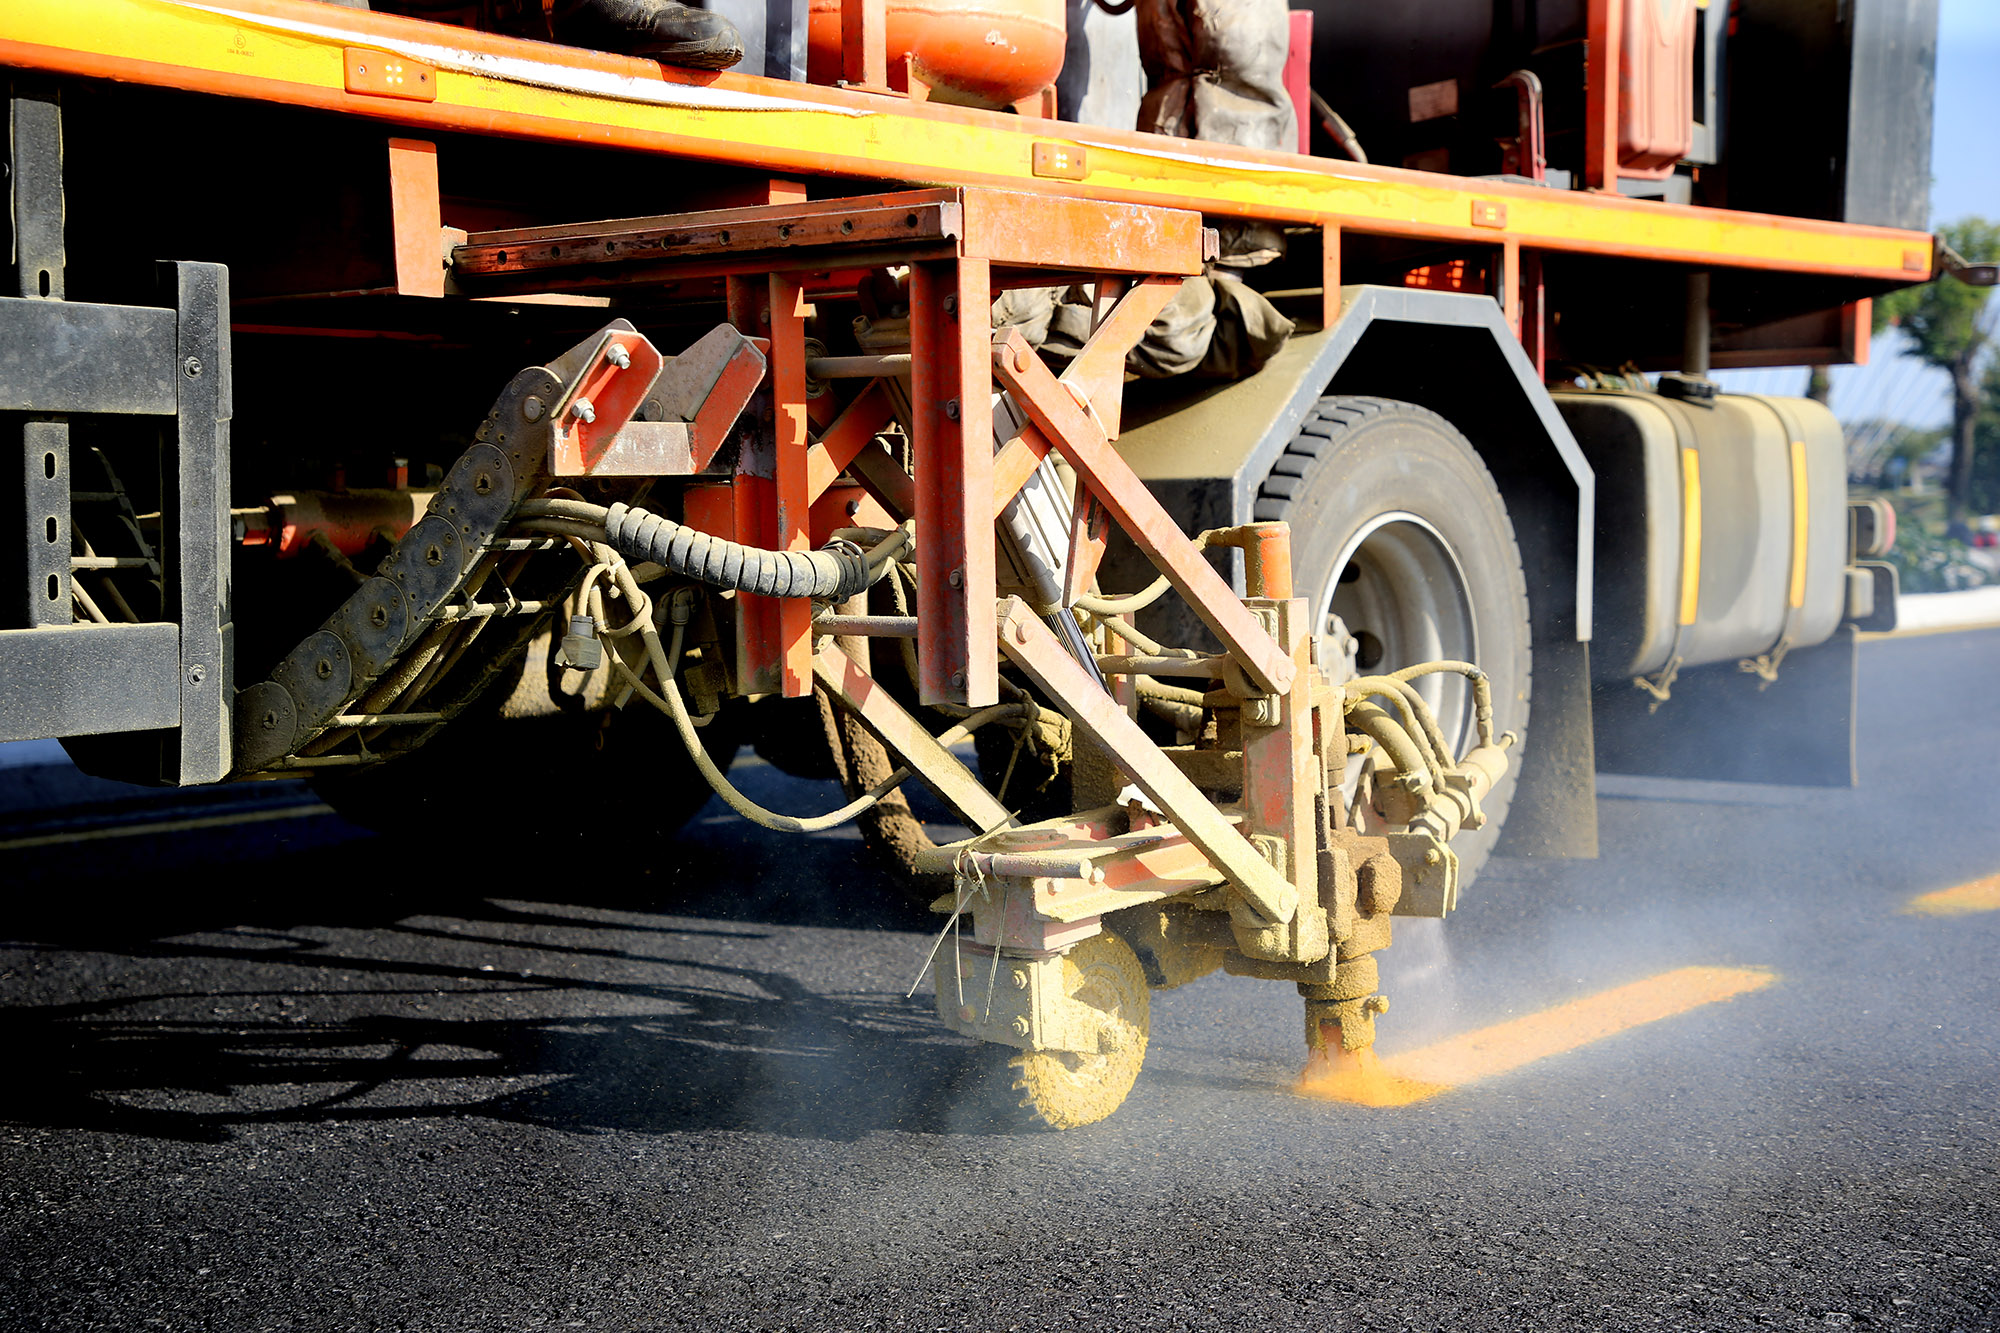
1690	535
1798	592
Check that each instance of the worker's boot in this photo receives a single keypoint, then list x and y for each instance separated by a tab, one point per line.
661	30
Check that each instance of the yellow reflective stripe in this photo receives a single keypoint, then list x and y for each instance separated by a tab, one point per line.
1798	524
1690	535
296	53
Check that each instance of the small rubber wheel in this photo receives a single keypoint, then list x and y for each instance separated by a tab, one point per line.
1400	537
1068	1089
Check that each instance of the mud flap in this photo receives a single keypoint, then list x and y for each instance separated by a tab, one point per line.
1719	725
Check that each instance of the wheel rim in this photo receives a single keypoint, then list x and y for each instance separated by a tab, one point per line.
1406	601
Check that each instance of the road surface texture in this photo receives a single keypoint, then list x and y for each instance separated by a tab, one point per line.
267	1072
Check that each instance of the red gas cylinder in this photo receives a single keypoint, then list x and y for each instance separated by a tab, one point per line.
978	52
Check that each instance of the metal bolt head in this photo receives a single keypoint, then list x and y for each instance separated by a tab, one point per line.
197	674
951	305
951	409
618	356
1020	1026
958	680
1019	977
956	578
1432	856
192	367
583	410
533	408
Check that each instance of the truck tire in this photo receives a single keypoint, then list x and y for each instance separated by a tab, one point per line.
1399	530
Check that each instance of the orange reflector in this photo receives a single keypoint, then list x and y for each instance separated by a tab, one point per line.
1982	895
1504	1047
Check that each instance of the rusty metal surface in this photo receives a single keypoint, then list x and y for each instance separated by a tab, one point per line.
1031	646
907	738
952	446
1081	440
769	232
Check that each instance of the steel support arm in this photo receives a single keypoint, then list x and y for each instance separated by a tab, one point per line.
1036	651
1079	438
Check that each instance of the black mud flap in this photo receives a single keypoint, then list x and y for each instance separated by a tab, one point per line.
1796	731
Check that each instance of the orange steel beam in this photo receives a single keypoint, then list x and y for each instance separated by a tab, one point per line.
1099	369
849	434
864	44
951	444
1030	645
292	51
1605	42
906	736
794	499
755	509
416	217
1013	465
1079	439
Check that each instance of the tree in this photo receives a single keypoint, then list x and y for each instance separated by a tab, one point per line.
1942	321
1985	494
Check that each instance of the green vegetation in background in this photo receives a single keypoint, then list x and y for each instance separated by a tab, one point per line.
1942	321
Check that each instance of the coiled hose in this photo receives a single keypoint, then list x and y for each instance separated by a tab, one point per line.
835	572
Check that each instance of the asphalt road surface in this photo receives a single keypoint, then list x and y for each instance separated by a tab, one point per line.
265	1072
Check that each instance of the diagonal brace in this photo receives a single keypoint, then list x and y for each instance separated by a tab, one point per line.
904	735
1028	642
1152	529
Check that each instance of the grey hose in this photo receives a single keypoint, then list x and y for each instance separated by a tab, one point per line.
833	573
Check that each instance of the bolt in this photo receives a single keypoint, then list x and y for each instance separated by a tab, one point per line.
583	410
956	578
951	305
1432	856
323	669
853	508
958	680
378	616
951	409
1020	978
618	356
533	408
433	556
192	367
482	484
197	674
1020	1026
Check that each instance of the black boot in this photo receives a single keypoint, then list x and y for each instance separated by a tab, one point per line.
661	30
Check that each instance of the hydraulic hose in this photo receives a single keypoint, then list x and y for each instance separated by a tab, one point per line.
835	572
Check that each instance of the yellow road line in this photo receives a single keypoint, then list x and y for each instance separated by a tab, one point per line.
1982	895
1488	1052
166	826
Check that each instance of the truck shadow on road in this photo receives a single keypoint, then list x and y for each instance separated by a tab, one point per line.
648	1004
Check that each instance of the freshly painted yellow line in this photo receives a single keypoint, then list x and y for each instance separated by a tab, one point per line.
1505	1047
167	826
1982	895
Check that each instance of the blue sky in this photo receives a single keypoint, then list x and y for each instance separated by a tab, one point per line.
1965	171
